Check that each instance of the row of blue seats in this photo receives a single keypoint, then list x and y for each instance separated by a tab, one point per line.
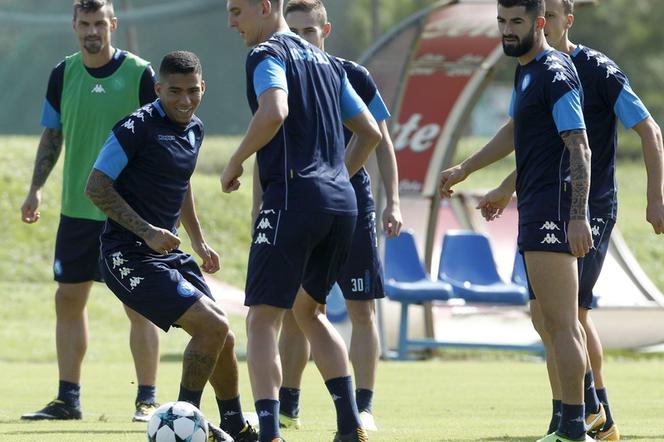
467	271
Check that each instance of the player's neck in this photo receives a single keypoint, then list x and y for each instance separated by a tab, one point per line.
279	25
539	45
98	60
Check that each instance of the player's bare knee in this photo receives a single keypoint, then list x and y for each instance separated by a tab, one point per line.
361	313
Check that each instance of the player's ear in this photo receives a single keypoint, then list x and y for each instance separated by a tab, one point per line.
114	24
202	87
267	8
540	22
570	20
327	28
157	88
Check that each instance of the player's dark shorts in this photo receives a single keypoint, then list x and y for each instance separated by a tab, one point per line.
159	287
77	250
361	277
543	236
590	265
293	249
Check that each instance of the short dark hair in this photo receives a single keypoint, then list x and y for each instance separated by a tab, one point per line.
533	7
315	6
90	5
180	62
568	6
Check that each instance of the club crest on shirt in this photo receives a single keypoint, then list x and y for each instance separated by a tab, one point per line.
525	82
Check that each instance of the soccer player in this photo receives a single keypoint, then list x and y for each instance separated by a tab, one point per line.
360	278
141	181
299	96
607	95
87	93
547	131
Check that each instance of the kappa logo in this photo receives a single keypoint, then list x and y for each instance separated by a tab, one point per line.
335	397
231	413
139	114
268	212
98	89
117	259
264	413
549	225
595	231
261	238
550	238
560	76
129	124
134	281
265	224
125	271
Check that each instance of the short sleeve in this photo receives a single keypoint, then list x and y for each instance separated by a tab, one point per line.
112	157
270	73
50	116
351	103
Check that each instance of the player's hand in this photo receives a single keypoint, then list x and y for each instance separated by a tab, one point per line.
655	216
493	203
392	221
30	208
211	262
230	177
162	241
449	178
579	237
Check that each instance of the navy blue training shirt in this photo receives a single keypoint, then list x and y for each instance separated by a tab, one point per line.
546	101
365	86
302	168
150	159
51	109
607	95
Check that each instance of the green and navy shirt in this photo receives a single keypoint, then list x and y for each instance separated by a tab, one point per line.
86	103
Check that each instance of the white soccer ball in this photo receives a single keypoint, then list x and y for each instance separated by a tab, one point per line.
177	422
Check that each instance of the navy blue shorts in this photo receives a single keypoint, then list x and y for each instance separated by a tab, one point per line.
159	287
361	277
590	266
293	249
77	250
543	236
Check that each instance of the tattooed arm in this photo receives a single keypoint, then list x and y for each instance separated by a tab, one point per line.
50	146
579	236
101	192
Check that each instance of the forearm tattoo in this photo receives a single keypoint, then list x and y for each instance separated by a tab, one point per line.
101	192
48	152
579	164
196	369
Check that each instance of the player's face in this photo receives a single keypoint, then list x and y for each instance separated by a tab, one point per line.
557	22
246	16
518	30
308	26
94	29
180	95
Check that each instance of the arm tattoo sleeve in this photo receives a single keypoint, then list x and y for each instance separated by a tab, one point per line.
579	162
50	146
101	192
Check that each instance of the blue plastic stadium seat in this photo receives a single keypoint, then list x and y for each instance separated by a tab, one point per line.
407	282
467	263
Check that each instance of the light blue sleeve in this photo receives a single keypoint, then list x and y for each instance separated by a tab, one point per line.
50	118
510	112
270	73
112	158
629	108
378	108
351	103
568	112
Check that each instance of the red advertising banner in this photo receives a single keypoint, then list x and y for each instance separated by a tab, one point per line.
449	61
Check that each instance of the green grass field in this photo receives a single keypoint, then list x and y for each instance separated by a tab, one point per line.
482	399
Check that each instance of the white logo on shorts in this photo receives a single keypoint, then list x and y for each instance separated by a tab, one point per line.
549	225
265	224
117	260
550	238
596	231
134	281
261	238
125	271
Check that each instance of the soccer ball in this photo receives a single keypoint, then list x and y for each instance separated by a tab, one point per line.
177	422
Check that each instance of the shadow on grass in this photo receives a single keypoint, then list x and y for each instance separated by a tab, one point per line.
100	431
534	438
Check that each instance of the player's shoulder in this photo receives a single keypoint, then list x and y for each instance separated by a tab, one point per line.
133	59
593	60
353	68
139	120
275	45
558	67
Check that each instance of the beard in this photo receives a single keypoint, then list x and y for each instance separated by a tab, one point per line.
93	46
522	47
